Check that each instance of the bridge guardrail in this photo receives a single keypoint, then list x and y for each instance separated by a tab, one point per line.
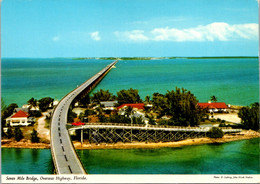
154	126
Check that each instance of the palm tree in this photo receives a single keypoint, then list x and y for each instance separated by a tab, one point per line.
128	111
213	98
32	102
147	99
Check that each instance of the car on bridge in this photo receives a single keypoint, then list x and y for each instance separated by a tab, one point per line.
78	123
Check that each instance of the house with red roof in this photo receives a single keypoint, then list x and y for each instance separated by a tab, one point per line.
136	107
137	110
214	106
20	118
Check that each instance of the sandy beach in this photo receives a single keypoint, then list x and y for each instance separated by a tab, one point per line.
246	134
10	143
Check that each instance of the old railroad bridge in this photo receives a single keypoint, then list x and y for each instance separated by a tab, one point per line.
65	158
114	132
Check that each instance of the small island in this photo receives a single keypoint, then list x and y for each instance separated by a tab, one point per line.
28	126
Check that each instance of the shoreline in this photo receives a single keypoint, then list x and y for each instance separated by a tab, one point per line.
244	135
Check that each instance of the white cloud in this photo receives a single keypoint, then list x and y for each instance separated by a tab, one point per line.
217	31
56	38
135	35
95	36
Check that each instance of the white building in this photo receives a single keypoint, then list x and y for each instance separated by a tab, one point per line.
109	105
20	118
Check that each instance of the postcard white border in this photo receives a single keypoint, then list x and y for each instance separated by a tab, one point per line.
100	178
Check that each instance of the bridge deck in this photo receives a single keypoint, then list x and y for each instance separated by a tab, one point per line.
150	127
64	156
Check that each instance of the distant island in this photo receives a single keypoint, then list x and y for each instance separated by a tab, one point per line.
156	58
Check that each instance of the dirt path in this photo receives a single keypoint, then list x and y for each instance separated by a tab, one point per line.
43	132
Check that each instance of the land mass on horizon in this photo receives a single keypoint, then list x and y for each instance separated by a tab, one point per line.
155	58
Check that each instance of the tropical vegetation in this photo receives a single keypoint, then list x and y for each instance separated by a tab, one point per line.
6	112
213	98
34	136
102	95
181	105
32	102
128	96
250	116
18	134
45	103
215	132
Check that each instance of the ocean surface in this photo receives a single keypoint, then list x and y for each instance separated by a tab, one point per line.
26	161
232	80
239	157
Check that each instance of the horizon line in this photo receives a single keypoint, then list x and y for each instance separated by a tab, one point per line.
130	57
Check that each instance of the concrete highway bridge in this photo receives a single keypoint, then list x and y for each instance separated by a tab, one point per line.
65	158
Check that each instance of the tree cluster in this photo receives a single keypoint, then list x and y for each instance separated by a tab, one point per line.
102	95
250	116
6	112
215	132
128	96
181	105
34	136
45	103
123	96
17	133
32	102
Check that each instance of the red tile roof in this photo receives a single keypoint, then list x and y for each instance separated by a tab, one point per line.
217	105
20	114
138	106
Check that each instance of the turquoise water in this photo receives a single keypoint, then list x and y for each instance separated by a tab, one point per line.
240	157
26	161
38	78
233	81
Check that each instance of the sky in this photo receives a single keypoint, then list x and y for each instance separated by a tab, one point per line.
129	28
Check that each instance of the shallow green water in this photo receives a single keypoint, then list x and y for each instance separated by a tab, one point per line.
26	161
234	81
240	157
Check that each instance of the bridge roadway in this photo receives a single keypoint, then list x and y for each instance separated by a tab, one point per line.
65	158
151	127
